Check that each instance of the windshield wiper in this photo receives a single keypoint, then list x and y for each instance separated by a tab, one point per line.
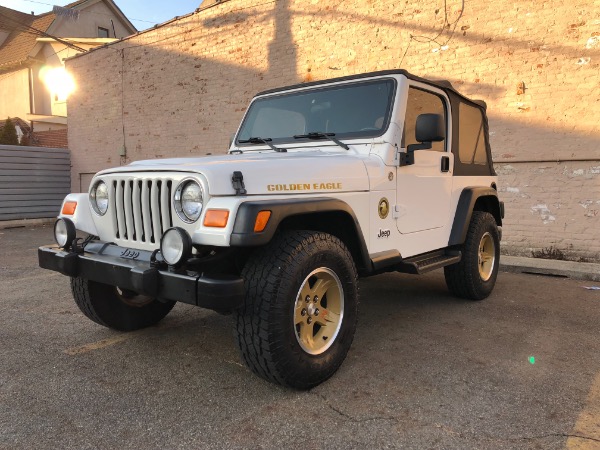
259	140
319	135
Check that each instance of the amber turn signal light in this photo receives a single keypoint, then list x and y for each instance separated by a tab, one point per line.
68	208
216	218
262	218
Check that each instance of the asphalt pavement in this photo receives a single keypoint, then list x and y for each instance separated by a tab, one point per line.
520	369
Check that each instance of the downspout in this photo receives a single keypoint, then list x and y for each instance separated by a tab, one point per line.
31	98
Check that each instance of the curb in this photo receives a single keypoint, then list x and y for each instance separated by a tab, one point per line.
553	267
6	224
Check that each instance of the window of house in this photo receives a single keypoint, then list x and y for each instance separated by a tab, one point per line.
102	32
471	138
422	102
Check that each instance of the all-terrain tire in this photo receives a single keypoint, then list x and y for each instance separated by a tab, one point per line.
273	330
123	311
475	275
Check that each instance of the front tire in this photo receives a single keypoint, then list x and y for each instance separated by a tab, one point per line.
299	317
114	308
474	277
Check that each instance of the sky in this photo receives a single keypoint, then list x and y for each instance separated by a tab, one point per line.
142	13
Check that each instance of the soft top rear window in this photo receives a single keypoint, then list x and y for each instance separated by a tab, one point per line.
471	135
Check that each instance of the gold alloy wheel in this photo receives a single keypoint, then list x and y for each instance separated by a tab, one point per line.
486	256
319	311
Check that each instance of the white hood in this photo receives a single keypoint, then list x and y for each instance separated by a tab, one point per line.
268	173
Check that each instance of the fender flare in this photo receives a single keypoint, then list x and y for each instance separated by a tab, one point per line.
464	211
243	234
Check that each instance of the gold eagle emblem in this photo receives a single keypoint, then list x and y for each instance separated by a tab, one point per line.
384	208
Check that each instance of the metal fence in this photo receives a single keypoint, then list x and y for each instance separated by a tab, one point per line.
33	181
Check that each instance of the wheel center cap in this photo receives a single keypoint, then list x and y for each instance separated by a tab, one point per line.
311	309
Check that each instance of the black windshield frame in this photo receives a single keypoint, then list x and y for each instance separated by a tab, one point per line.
384	105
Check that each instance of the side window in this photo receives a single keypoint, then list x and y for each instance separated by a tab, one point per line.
471	139
422	102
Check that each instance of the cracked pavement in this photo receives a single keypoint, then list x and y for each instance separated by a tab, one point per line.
425	371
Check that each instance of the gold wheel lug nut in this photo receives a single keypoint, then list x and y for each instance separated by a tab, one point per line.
309	320
316	299
317	312
303	312
307	298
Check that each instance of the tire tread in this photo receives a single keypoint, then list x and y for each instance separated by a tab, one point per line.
462	278
254	337
81	295
101	304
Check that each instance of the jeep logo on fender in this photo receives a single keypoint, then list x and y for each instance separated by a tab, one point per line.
383	234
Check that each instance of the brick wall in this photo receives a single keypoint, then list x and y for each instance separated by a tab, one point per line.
181	89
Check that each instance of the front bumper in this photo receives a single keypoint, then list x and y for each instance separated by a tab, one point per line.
130	269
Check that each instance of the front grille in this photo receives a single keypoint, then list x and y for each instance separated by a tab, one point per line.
143	208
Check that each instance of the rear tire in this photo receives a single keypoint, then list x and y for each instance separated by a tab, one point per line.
301	307
121	310
475	275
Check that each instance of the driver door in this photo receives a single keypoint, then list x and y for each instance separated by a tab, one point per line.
424	188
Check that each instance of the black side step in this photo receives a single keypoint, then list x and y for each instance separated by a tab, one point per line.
429	261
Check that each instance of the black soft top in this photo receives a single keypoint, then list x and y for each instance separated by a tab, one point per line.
445	85
460	167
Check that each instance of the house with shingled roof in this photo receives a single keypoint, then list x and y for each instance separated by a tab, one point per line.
32	53
46	138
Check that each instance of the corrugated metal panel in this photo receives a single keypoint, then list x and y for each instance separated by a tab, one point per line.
33	181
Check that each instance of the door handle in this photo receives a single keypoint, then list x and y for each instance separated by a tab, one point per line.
445	164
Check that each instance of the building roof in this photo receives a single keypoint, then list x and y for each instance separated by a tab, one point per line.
17	47
17	121
49	139
19	43
73	4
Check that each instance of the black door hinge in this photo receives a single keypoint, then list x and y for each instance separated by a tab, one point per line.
237	180
407	159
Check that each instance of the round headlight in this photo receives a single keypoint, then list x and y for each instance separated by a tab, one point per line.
64	233
176	246
188	201
99	198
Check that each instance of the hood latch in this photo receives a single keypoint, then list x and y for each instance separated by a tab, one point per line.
237	180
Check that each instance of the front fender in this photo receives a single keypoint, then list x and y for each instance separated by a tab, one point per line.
82	217
243	234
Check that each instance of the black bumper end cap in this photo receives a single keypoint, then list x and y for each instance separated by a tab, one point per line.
220	293
66	263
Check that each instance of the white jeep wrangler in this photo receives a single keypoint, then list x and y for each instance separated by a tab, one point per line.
323	182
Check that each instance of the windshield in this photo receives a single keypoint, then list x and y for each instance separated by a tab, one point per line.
354	110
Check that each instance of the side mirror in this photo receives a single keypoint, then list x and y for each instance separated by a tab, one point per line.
429	128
